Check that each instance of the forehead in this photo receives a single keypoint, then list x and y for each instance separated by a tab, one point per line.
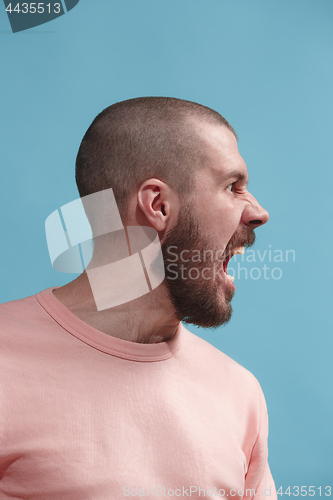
221	151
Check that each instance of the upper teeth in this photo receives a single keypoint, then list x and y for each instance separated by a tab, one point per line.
239	250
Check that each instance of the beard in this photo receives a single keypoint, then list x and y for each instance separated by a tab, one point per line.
198	297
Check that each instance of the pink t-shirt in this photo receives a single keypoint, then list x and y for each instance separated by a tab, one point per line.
87	416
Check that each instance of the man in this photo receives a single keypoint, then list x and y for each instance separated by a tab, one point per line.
113	402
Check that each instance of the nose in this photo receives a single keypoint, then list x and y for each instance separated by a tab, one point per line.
254	215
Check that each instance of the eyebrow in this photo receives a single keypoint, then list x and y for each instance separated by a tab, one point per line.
237	174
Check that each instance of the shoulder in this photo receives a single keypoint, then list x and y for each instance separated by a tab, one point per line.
17	310
20	317
214	364
200	348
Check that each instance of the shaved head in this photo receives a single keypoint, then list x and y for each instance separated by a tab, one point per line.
134	140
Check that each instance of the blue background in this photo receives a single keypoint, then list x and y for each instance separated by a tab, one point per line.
267	66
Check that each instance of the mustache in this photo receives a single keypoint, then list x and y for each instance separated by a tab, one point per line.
244	237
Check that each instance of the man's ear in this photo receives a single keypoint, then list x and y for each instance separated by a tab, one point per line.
159	203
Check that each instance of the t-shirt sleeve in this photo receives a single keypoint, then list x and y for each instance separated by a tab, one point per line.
259	483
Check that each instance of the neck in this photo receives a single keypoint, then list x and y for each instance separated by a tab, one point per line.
148	319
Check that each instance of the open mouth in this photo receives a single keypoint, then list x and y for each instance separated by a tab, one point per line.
235	251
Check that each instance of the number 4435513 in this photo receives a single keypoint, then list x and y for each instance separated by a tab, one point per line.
304	491
33	8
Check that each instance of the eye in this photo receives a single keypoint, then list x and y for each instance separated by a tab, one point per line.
230	187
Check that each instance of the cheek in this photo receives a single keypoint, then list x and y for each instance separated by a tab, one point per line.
222	224
228	227
219	215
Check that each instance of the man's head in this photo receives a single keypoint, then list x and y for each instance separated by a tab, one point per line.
175	166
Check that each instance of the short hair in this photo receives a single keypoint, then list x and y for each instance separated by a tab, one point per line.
137	139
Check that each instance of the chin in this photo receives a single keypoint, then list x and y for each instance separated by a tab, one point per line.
204	308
